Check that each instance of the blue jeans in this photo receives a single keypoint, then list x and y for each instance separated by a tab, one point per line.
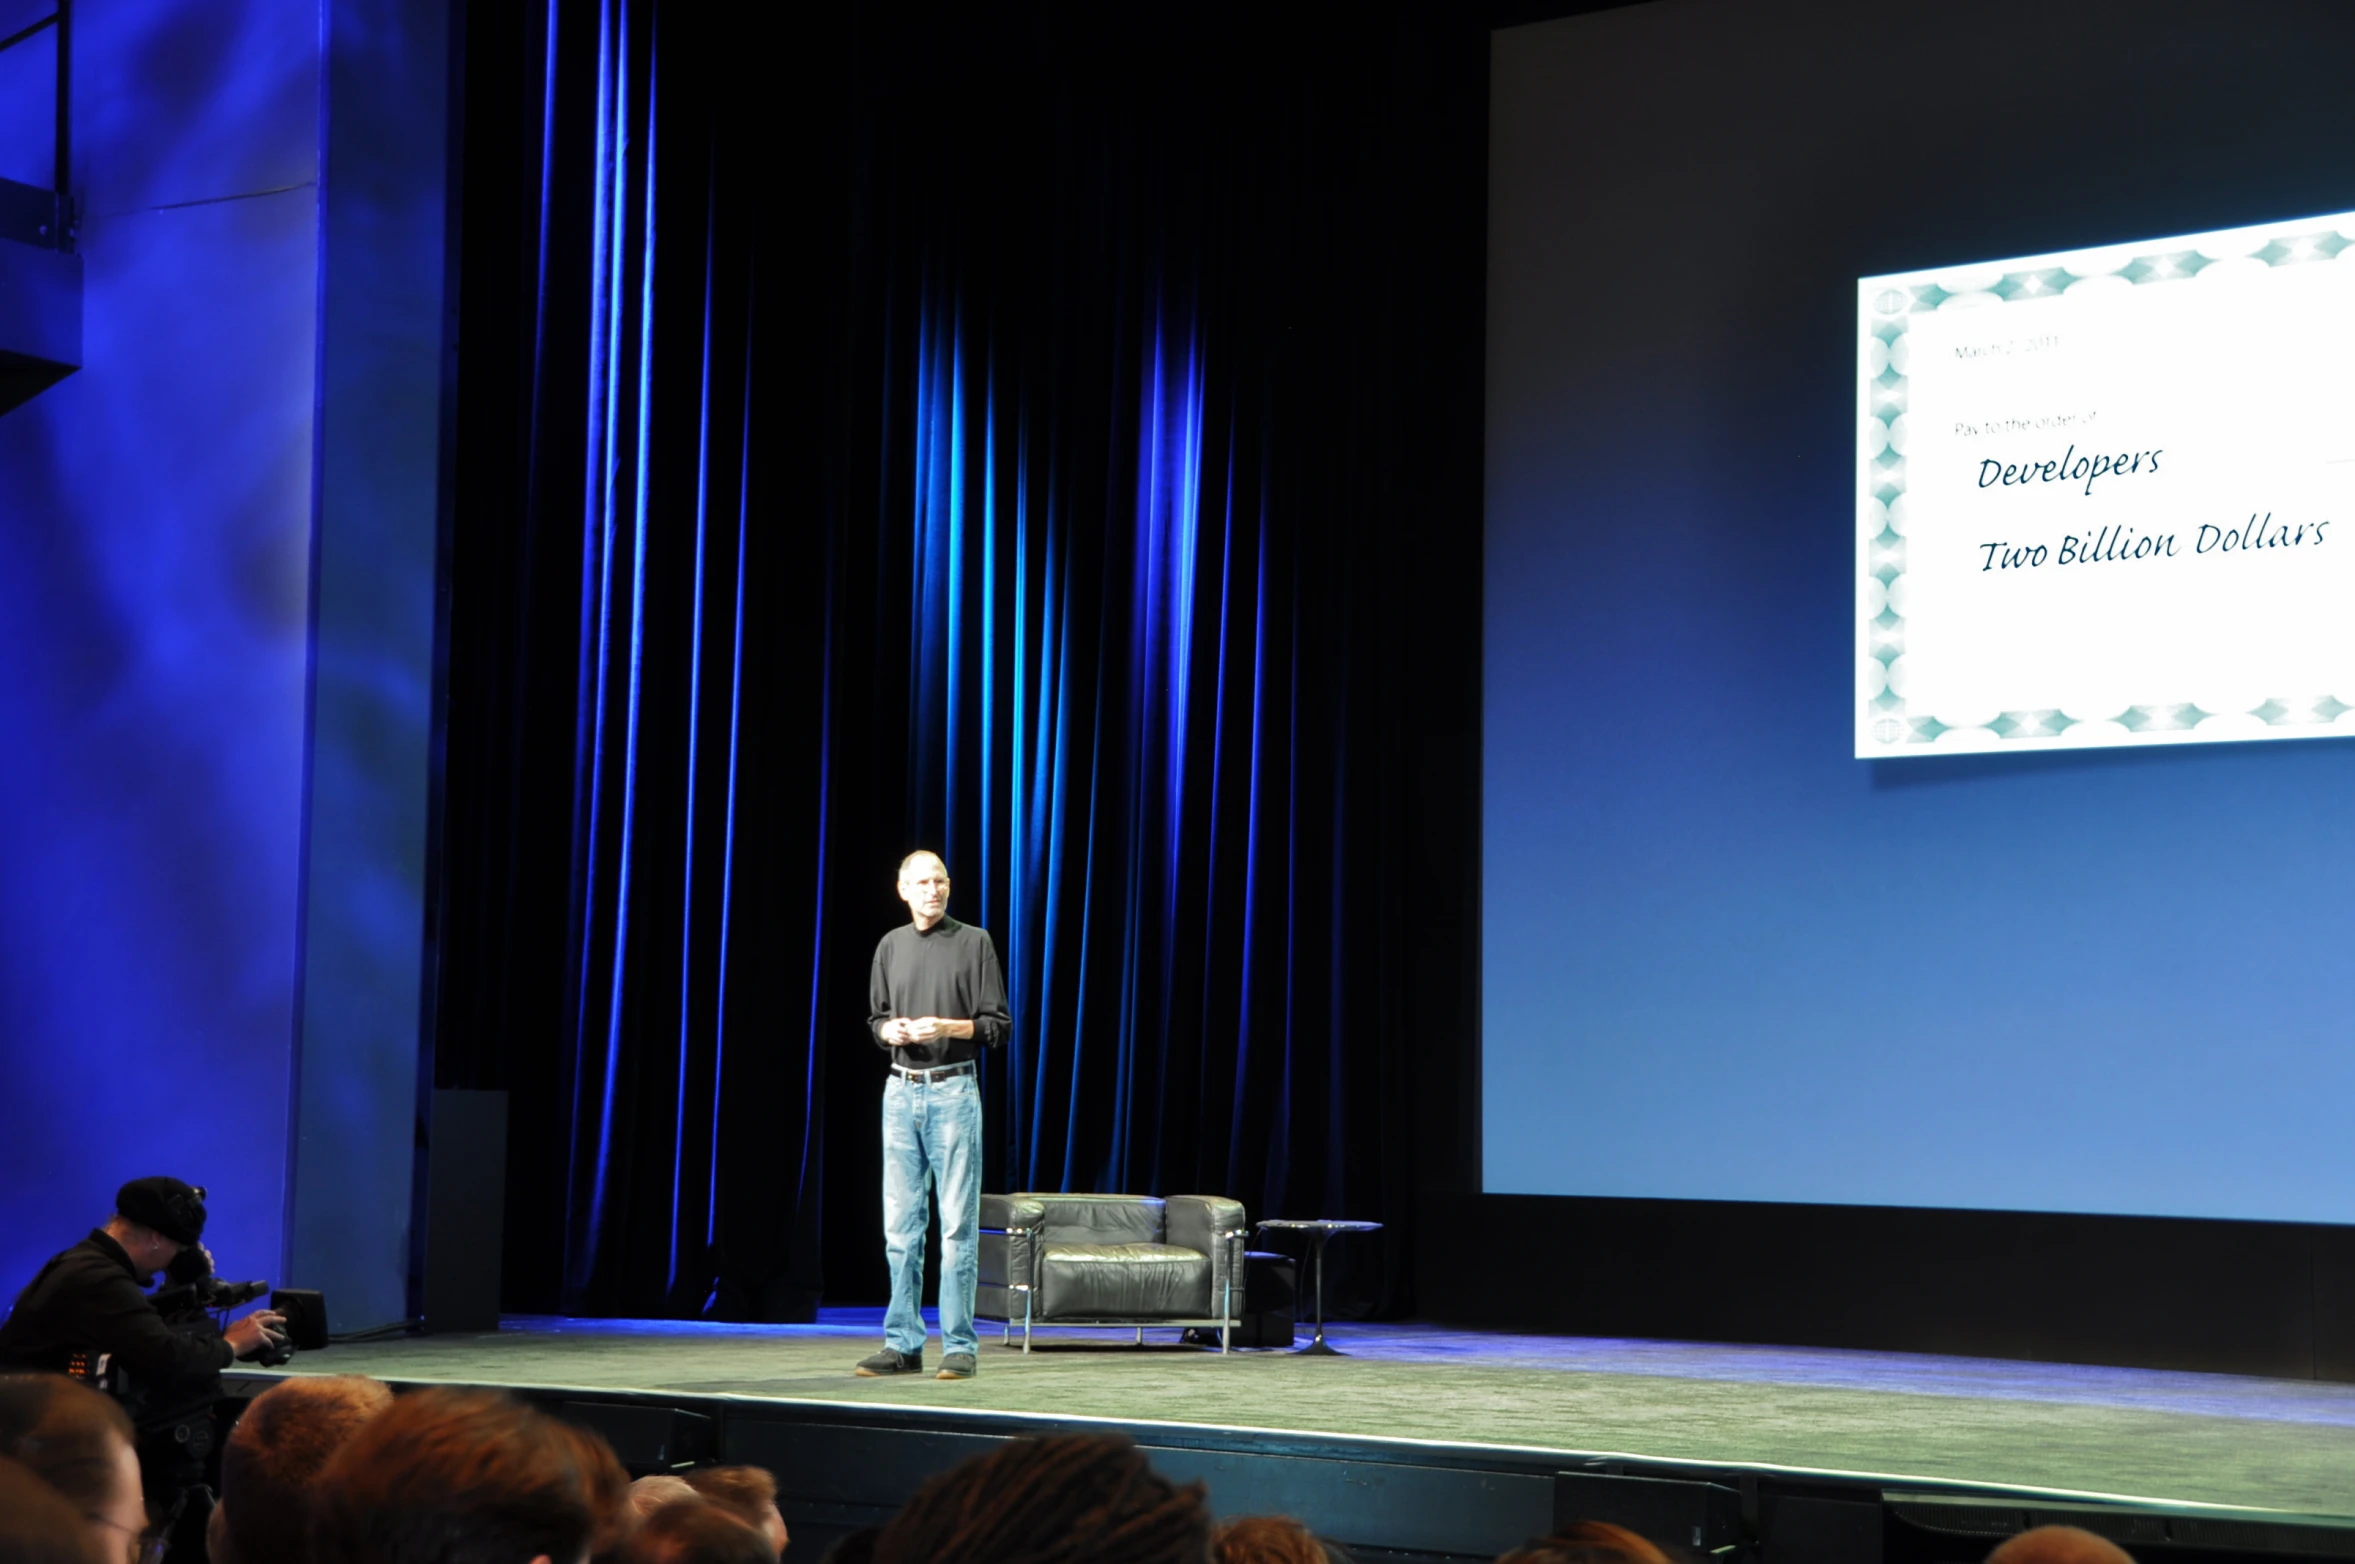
932	1132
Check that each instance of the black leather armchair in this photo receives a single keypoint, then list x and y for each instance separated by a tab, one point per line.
1127	1260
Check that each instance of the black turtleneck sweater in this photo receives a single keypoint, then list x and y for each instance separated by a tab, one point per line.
950	971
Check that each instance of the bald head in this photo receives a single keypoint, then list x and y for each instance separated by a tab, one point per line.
2059	1545
660	1492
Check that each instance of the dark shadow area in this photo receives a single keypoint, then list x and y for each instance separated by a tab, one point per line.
1983	766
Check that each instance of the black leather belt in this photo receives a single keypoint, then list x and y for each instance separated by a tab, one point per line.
927	1077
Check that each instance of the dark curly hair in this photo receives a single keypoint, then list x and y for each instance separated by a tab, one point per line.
1071	1499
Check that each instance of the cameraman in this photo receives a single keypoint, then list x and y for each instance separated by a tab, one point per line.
89	1301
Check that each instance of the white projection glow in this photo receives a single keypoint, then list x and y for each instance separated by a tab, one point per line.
2104	497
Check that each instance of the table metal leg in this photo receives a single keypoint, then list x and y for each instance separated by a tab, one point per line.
1317	1347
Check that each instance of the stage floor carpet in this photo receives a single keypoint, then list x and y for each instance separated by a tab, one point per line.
2182	1438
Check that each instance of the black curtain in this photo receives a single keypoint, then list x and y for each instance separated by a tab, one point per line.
1043	435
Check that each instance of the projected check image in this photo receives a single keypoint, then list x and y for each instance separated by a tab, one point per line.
2104	496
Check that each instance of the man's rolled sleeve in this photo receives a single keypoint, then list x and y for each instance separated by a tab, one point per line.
878	999
992	1021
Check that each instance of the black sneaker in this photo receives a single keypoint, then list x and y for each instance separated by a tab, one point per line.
957	1365
891	1361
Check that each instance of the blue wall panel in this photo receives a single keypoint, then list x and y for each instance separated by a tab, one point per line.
217	548
154	560
380	376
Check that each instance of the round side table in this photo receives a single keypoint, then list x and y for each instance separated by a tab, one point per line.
1323	1228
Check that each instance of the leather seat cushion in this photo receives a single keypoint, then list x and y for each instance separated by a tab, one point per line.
1123	1281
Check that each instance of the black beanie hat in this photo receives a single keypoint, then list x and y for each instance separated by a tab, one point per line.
172	1208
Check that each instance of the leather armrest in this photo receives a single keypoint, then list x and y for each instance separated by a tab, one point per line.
1215	1226
1009	1212
1019	1218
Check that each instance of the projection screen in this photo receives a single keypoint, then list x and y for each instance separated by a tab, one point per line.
2100	495
1787	464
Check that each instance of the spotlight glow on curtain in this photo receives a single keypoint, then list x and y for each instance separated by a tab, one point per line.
1009	537
1108	820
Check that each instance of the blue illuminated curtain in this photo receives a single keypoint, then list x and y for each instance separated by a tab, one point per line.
617	955
1090	726
614	843
886	458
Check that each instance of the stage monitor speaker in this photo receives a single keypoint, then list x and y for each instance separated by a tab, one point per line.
1936	1526
1271	1301
647	1438
1806	1530
1695	1517
465	1210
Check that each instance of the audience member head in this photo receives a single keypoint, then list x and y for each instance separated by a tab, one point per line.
696	1531
1587	1542
272	1461
610	1506
749	1494
454	1477
660	1492
856	1548
39	1526
78	1443
2059	1545
1271	1539
1072	1499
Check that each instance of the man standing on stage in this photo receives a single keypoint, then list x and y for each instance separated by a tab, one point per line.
934	997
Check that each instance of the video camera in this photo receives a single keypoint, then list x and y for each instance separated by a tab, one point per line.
192	1295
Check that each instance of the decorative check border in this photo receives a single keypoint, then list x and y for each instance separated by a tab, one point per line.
1881	501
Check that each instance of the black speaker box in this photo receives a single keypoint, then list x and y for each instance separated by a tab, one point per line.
465	1210
1696	1517
306	1317
648	1439
1271	1301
